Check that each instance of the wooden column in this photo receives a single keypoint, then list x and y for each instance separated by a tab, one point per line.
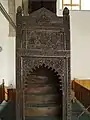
25	7
12	8
11	11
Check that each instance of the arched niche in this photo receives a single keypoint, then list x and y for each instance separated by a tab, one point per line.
43	94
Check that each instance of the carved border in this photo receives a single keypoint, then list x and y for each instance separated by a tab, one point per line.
68	89
29	63
57	64
43	53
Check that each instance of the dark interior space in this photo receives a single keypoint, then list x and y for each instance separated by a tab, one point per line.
34	5
43	95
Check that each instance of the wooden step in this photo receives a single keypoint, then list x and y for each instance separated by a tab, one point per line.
33	99
40	89
37	79
42	105
42	111
42	118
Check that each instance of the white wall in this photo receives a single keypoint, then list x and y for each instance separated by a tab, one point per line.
7	56
3	44
11	61
80	44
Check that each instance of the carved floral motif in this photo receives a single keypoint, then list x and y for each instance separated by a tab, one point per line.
56	64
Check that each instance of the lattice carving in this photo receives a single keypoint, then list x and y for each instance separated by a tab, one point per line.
29	63
59	77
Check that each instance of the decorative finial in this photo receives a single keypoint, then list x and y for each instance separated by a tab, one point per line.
19	11
66	11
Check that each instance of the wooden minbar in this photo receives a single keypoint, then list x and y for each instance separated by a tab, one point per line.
43	65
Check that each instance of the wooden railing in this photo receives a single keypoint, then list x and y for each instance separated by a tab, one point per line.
82	93
7	93
2	92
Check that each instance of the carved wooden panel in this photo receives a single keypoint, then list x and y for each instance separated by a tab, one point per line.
42	39
56	64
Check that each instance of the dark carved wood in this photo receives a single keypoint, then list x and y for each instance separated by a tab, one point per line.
43	49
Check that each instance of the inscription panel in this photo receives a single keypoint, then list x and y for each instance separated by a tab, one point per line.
38	39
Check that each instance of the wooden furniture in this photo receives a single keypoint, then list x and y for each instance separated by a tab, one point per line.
12	94
81	93
2	92
43	65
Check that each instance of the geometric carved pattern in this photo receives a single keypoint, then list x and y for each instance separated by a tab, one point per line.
56	64
43	39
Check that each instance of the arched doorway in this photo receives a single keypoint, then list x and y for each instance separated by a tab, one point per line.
43	95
